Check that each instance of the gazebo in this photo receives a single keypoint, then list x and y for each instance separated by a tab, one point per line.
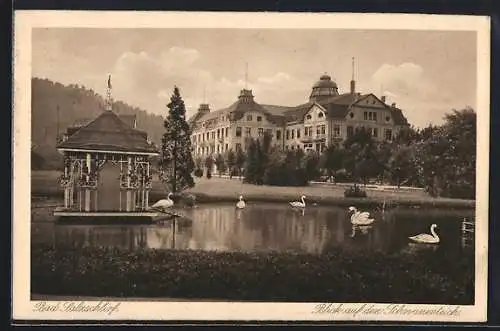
107	168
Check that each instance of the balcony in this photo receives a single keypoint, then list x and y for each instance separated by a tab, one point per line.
315	138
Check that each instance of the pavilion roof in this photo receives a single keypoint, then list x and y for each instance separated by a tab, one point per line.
108	132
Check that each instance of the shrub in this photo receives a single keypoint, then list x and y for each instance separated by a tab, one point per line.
354	192
334	276
198	172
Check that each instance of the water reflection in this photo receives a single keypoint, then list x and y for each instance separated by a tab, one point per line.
264	227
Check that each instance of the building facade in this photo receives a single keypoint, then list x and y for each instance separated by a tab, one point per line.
327	118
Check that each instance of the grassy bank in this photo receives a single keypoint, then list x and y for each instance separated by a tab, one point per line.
337	276
44	183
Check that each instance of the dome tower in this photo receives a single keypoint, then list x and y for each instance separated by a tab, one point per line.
324	88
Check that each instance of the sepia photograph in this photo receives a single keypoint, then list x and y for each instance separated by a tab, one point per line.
219	166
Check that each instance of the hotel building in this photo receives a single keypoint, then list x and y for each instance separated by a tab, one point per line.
327	118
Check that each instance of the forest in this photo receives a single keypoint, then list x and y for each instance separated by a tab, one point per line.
55	106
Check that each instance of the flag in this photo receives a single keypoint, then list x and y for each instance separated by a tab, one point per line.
109	81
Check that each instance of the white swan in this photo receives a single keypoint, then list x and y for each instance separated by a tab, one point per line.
241	204
425	238
360	218
299	204
164	203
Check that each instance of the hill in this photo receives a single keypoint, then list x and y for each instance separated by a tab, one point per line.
75	102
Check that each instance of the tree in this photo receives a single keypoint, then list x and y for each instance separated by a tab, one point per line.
402	165
447	157
311	165
176	159
240	160
331	159
252	163
220	164
359	158
209	164
230	162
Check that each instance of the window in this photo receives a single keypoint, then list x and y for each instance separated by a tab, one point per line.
278	134
320	130
227	146
248	132
222	118
308	131
293	134
218	150
213	135
350	131
287	134
308	117
298	133
387	118
259	118
370	116
336	130
218	133
238	131
375	132
238	147
260	132
320	115
388	134
351	115
269	132
227	132
249	118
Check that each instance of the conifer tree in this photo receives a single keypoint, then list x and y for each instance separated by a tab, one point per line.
176	159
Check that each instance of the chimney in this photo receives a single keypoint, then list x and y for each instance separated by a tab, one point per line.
393	105
383	98
353	82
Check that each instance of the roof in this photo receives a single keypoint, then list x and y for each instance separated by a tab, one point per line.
108	132
325	81
128	119
398	117
336	106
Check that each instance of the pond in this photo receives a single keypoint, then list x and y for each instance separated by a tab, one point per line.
263	227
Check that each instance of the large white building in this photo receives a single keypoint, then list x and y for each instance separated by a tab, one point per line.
327	118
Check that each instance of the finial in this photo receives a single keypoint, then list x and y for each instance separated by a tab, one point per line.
109	100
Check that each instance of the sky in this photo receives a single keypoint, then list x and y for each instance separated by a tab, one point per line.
426	73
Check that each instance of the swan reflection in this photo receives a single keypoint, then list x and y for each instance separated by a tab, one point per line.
360	229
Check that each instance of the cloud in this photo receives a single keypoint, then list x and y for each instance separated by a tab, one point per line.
410	88
147	81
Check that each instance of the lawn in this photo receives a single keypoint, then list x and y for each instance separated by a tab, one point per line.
44	183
